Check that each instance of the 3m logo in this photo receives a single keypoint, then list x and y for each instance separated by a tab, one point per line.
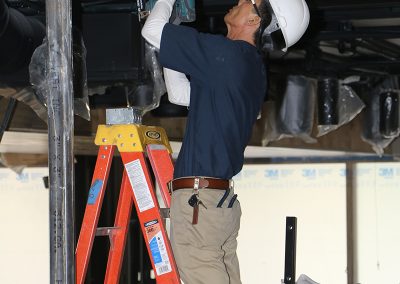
386	172
309	173
153	134
271	173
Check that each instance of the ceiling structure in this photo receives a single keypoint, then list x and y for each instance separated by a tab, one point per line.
344	38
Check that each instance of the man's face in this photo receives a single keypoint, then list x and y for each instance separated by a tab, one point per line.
240	13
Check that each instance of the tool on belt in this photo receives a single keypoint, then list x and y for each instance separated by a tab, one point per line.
198	183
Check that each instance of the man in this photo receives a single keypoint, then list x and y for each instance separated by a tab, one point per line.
225	92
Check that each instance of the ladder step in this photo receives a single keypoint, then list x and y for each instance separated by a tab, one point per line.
107	231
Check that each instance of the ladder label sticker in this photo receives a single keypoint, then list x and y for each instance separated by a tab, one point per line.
157	247
94	191
139	185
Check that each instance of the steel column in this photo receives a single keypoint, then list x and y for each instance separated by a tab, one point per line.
61	124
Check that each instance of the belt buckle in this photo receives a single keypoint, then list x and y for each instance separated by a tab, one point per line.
200	182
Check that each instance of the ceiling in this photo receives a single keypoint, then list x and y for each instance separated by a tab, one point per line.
344	37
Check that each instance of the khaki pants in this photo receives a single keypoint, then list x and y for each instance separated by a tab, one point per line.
205	253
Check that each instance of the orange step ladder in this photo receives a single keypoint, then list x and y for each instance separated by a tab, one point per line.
133	142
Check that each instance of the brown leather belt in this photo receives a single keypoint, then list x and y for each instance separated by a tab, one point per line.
202	182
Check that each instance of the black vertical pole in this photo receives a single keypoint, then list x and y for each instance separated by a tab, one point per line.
350	209
290	250
61	125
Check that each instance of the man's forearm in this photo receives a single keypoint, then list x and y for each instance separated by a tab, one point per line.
156	21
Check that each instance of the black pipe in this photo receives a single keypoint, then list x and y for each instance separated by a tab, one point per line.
328	93
389	114
290	250
19	37
379	49
386	46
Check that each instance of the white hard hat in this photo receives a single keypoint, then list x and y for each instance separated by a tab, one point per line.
290	19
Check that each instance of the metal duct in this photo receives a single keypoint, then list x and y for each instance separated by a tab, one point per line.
19	37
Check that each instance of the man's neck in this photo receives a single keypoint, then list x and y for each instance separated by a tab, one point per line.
236	34
250	40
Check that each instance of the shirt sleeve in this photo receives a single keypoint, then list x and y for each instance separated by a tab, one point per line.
185	50
178	87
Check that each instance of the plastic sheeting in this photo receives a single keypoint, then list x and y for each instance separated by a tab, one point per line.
379	129
294	117
347	107
155	70
17	169
147	94
37	72
303	279
27	96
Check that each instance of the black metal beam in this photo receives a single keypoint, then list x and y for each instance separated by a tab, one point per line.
354	4
387	32
327	64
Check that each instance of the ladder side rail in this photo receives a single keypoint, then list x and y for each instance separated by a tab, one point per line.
118	240
92	211
151	223
163	169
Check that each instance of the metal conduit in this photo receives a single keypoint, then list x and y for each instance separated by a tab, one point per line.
61	125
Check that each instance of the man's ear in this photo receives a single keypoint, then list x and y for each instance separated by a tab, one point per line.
253	20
